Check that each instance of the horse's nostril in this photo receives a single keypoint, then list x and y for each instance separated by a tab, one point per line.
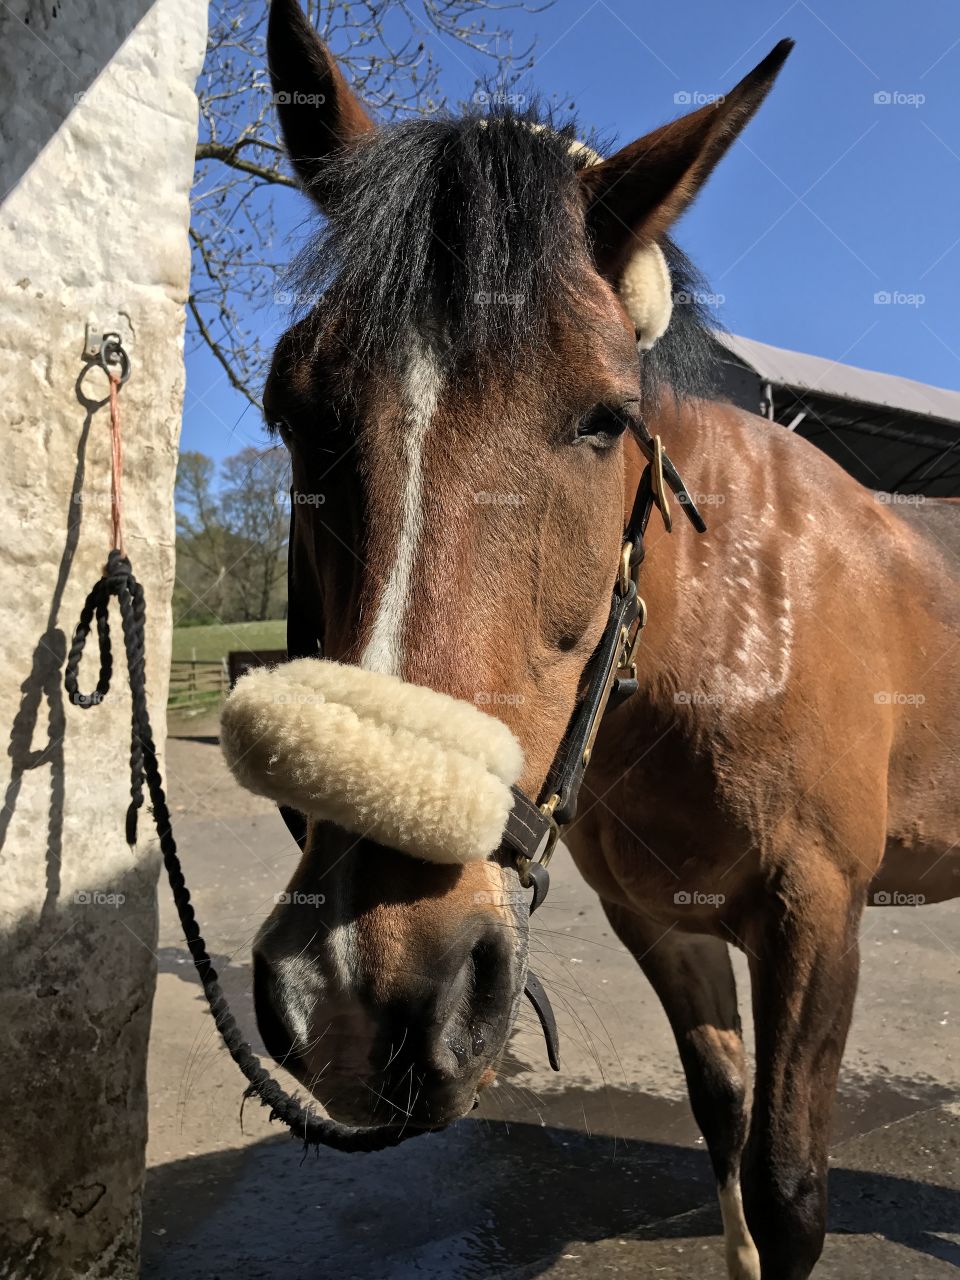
485	959
492	971
273	1030
458	1050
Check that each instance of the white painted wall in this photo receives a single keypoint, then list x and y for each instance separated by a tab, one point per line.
97	132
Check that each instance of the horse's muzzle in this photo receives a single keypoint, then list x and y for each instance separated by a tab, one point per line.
390	1017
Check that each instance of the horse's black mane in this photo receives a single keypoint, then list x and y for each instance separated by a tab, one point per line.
467	227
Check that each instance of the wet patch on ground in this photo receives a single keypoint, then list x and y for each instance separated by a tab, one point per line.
504	1194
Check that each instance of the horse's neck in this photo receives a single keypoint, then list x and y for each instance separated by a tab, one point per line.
790	536
720	604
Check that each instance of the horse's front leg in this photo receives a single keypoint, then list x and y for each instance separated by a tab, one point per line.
694	979
803	952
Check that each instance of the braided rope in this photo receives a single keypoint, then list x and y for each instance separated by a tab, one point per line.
118	580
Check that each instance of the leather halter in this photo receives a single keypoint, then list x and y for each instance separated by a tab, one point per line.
532	830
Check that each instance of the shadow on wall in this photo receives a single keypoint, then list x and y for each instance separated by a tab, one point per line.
32	48
59	961
54	955
484	1199
32	45
44	684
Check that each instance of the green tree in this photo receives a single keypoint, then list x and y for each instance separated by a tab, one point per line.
232	536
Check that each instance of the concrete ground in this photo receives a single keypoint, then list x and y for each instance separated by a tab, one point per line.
598	1171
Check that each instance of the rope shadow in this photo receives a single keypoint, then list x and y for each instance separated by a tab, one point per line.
44	683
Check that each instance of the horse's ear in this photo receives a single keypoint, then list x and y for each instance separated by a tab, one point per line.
633	197
319	113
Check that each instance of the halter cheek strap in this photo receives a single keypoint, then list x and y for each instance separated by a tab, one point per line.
535	828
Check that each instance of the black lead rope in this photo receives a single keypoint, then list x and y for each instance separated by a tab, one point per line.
118	580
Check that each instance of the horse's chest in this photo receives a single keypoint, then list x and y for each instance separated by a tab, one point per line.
655	830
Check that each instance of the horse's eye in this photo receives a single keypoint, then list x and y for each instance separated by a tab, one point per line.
278	426
603	424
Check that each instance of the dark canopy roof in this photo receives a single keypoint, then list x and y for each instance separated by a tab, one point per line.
891	433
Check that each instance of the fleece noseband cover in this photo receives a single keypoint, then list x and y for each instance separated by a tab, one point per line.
412	769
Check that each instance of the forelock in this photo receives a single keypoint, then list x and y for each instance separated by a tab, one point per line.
467	229
468	232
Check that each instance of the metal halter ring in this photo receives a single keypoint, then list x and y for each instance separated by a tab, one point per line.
631	643
546	853
113	354
629	572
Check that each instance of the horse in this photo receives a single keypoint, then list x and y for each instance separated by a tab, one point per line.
496	322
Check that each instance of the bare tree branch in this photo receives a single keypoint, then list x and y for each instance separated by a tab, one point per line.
231	156
218	353
390	51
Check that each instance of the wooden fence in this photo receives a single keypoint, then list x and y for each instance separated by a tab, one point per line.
195	684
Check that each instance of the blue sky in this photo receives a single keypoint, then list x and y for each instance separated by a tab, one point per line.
845	186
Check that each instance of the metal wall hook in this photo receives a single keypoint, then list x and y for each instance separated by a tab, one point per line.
113	357
107	351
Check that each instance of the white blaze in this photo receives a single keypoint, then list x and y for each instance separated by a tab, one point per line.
421	393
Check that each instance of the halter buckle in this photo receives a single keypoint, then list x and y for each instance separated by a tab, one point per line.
628	571
524	864
631	644
623	580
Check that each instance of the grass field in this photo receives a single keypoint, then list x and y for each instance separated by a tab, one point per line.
215	642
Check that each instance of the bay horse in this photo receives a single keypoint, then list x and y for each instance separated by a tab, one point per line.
497	311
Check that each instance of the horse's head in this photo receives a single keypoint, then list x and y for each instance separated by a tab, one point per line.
458	403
